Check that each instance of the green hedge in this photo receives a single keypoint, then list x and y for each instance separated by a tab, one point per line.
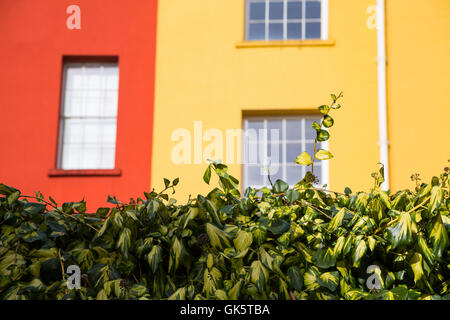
274	243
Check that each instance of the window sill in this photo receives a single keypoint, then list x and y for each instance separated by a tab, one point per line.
84	172
284	43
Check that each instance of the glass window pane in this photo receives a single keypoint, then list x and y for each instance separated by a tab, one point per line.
73	132
257	10
293	129
293	174
251	153
108	158
275	10
71	156
275	130
275	31
294	30
275	153
313	10
90	110
254	176
310	148
256	31
293	150
294	10
312	30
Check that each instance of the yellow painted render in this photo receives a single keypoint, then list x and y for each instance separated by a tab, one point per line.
203	72
418	46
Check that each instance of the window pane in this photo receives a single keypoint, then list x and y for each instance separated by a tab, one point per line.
251	153
275	129
313	30
292	151
294	10
293	174
310	148
257	10
256	31
89	110
275	31
275	153
294	30
282	154
254	176
293	129
313	9
275	10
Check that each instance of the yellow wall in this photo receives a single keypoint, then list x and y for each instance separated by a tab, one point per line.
418	45
203	74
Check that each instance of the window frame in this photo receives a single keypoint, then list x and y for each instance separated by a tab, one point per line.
325	174
323	21
59	170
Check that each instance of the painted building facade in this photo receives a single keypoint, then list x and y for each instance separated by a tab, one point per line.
190	74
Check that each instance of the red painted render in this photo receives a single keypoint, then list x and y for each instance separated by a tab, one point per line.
33	41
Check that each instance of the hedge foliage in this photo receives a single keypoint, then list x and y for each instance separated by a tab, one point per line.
273	243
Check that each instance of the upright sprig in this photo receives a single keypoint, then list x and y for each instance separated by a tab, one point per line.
305	159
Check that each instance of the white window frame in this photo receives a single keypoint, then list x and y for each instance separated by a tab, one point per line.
325	177
63	117
323	20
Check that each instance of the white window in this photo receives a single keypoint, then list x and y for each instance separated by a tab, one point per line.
89	116
271	145
286	19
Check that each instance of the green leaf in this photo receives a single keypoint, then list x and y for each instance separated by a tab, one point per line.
295	278
243	240
7	190
280	186
166	182
311	277
329	280
323	135
359	252
336	221
416	266
259	275
315	126
211	208
437	198
180	294
235	291
328	121
324	109
426	251
259	235
13	197
124	242
178	254
154	258
266	258
207	174
323	155
292	195
438	237
401	233
279	226
217	237
324	258
304	159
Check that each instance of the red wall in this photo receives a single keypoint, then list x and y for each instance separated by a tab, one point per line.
33	41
